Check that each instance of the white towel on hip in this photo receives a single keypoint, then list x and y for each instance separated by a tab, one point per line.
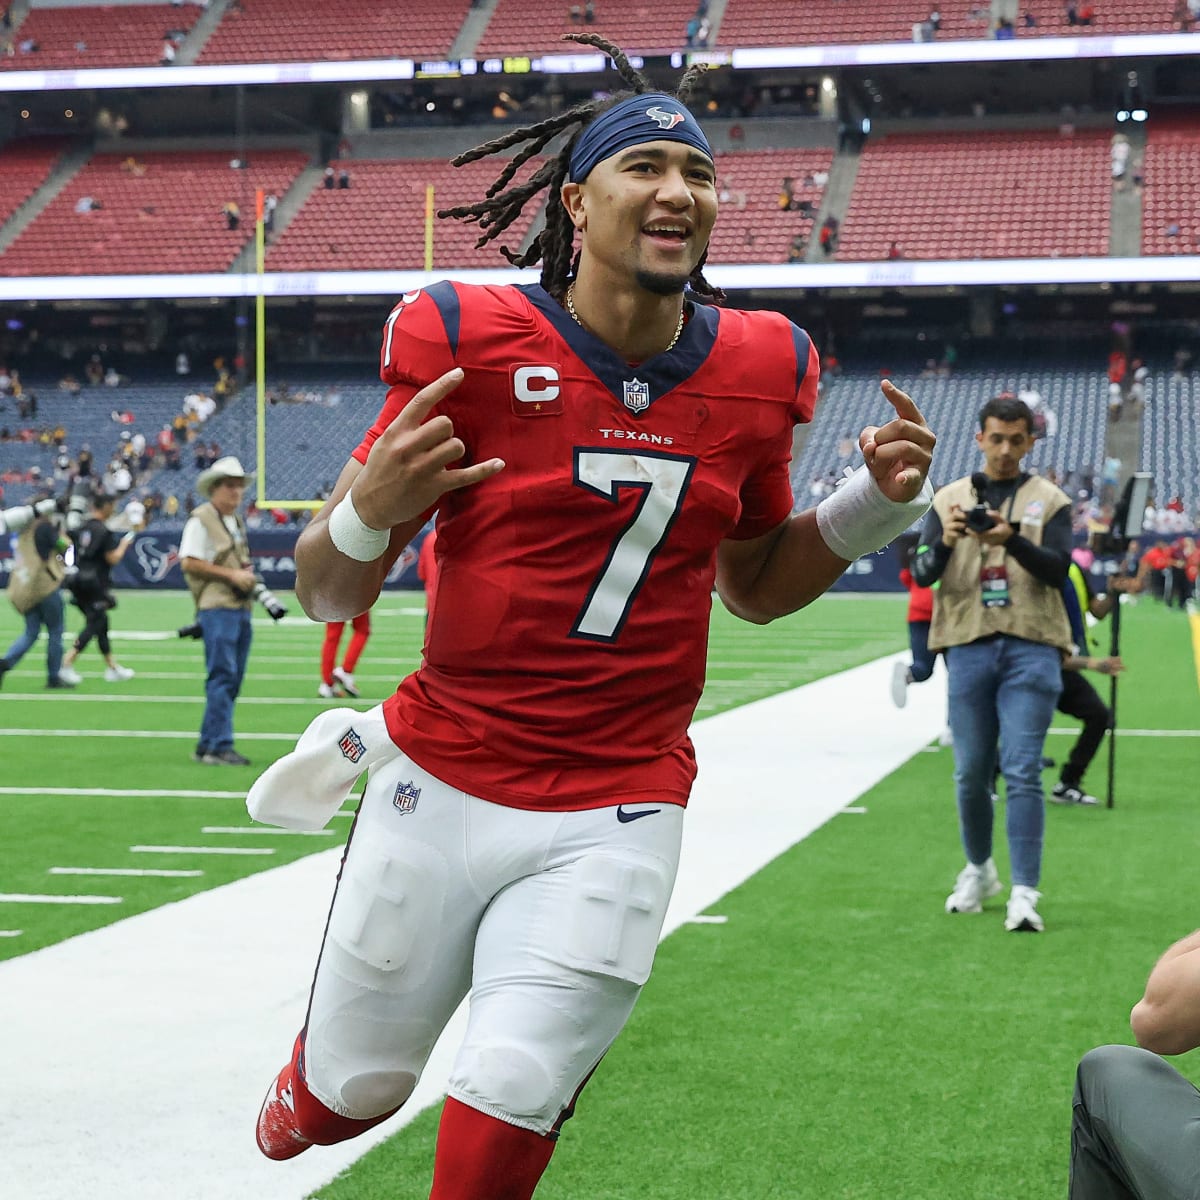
305	788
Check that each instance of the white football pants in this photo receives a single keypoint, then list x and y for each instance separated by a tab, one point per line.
551	919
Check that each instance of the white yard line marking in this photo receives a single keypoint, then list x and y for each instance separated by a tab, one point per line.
108	1132
267	829
854	808
701	919
201	850
161	874
181	734
109	698
36	791
11	932
40	898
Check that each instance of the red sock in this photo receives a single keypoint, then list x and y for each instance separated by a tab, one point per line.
320	1124
329	649
483	1158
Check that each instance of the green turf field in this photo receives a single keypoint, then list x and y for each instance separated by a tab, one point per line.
839	1036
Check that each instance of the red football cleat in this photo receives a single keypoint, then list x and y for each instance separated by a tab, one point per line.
276	1132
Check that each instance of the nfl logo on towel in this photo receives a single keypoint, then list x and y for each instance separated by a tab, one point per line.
351	745
637	395
406	797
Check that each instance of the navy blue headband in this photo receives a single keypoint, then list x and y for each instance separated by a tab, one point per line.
652	117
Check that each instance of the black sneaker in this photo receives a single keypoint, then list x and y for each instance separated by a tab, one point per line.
1066	793
228	757
59	682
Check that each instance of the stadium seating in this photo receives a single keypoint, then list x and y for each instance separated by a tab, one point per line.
24	167
768	23
311	30
951	406
520	27
751	227
101	36
378	223
1014	194
1172	191
168	219
1170	442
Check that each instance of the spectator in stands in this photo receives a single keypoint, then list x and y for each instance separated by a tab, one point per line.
828	237
797	248
232	214
343	179
168	52
94	371
183	365
787	194
87	204
1028	20
270	204
1087	14
329	179
1120	158
1004	31
131	166
703	33
894	251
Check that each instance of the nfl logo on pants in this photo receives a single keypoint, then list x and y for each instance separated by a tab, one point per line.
406	797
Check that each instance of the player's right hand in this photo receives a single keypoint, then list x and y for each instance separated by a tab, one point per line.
955	526
409	467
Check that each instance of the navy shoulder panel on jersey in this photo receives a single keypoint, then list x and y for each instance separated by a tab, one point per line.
659	374
444	295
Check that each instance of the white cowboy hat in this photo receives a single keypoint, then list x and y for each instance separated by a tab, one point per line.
224	468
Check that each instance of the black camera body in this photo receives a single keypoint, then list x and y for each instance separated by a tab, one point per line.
979	519
267	598
190	631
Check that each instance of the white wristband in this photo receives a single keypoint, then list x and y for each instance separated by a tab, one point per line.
352	535
857	518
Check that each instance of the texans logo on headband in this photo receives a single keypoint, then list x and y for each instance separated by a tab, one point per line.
666	120
626	124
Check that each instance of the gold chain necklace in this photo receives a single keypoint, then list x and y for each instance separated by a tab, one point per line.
575	318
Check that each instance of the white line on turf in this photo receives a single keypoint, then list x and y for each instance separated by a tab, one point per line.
40	898
267	829
11	932
201	850
184	734
51	791
90	1116
161	874
701	919
855	808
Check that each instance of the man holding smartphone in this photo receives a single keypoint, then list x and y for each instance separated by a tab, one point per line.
998	543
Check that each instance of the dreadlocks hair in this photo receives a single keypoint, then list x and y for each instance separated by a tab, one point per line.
553	244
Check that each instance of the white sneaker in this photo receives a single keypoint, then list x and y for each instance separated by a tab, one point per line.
347	682
1022	910
974	885
326	692
70	675
117	674
900	684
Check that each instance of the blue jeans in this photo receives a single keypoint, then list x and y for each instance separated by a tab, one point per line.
226	650
922	657
48	612
1002	689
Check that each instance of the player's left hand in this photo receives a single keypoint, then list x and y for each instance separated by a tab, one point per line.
898	454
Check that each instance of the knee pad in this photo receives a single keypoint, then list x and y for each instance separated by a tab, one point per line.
614	915
385	919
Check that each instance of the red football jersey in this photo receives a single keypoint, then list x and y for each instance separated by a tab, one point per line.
566	653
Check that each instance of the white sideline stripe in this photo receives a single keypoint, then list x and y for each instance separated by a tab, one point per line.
75	697
41	898
267	829
183	734
855	808
201	850
89	1119
162	874
11	932
1166	733
55	791
701	919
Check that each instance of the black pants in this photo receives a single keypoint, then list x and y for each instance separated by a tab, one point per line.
94	606
1080	700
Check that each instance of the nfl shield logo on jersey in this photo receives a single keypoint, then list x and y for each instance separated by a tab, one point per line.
406	797
351	745
637	395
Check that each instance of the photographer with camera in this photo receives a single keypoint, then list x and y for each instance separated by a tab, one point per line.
97	550
215	557
35	585
998	543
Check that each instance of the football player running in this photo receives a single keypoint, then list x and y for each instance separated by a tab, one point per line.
599	451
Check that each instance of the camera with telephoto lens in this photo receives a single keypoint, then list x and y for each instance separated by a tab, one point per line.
267	598
979	519
190	631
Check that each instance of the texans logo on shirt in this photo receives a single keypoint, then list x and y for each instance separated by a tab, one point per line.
536	390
